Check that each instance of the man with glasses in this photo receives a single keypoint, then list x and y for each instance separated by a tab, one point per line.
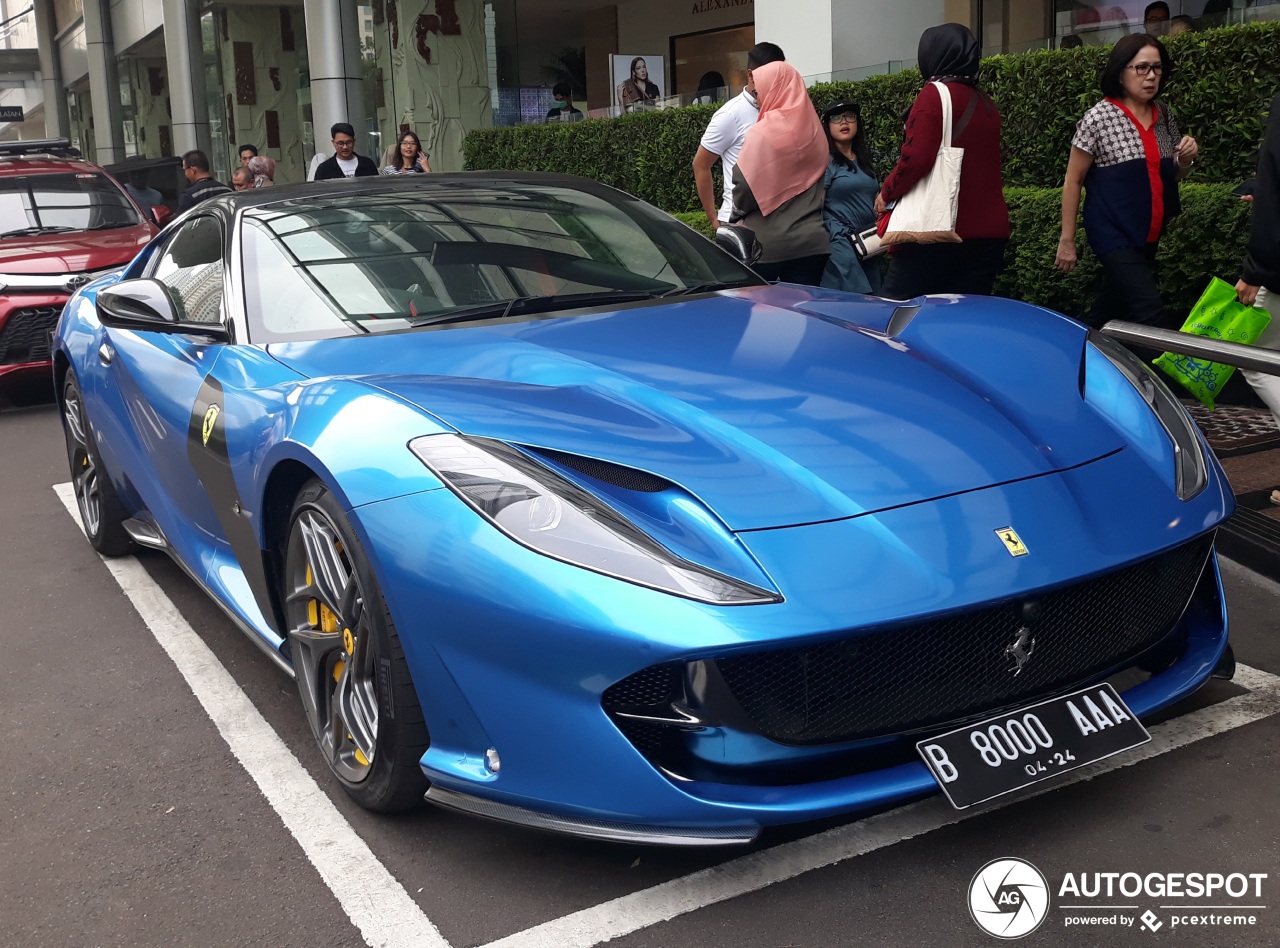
203	185
345	163
1155	19
242	179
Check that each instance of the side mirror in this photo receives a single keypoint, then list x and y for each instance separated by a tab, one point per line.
146	305
161	214
740	243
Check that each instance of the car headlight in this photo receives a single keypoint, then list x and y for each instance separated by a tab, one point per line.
548	514
1190	470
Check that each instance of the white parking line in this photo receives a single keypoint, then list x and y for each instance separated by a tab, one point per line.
388	918
372	898
630	913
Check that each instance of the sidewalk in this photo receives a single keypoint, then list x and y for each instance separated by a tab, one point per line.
1247	443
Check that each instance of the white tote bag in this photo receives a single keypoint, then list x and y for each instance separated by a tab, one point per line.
927	213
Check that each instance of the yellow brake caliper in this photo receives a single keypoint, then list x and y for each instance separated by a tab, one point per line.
318	614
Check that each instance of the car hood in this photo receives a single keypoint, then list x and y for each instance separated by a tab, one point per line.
74	252
775	406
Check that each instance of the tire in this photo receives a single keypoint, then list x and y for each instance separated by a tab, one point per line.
350	668
101	512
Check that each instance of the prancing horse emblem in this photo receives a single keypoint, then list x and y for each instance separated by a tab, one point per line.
1012	542
210	417
1021	649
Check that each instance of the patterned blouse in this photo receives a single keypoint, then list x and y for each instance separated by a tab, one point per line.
396	169
1131	190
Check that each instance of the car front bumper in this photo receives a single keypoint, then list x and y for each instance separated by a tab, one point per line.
512	652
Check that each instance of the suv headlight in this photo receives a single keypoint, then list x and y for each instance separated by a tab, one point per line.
1191	473
548	514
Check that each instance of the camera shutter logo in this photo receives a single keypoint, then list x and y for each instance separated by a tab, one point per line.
1008	898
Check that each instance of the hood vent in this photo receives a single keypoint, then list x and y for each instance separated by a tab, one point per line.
625	477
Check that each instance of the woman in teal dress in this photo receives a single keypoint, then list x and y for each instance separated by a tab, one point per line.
851	193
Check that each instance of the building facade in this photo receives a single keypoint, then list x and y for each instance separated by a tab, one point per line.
153	78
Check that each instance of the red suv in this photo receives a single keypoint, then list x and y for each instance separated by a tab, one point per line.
63	222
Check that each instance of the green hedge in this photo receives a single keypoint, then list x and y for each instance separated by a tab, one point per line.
1221	88
1207	239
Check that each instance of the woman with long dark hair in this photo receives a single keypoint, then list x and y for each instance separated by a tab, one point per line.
851	187
1129	155
949	55
408	156
638	90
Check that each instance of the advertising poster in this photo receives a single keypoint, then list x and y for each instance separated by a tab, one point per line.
637	81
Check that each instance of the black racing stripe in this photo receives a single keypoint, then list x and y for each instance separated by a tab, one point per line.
210	459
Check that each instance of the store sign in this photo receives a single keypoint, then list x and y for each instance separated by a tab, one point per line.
11	113
711	6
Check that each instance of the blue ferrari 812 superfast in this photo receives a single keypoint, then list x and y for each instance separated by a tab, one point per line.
558	514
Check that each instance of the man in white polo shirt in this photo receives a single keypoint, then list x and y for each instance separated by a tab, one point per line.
724	136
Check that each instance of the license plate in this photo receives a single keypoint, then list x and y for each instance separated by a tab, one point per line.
980	761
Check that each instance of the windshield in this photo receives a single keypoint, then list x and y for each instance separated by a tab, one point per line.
391	260
53	203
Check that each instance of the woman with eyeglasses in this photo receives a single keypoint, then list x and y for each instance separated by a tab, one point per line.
851	187
406	156
1129	156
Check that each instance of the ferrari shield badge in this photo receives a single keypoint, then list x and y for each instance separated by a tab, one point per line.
211	416
1012	542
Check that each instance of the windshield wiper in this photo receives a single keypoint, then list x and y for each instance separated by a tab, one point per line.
112	225
32	231
706	288
532	304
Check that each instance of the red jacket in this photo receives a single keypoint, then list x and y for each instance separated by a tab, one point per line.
982	212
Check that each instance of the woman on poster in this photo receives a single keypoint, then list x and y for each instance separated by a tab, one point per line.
638	91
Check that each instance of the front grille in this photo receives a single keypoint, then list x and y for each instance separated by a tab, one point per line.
653	689
25	335
922	675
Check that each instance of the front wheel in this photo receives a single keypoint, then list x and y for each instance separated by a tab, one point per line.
350	668
101	512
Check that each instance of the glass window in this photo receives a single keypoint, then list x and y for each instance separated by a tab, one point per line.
53	203
191	266
393	260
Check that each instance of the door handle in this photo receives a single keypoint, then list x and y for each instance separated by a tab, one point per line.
106	353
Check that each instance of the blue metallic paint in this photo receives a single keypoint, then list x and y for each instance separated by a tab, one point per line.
864	474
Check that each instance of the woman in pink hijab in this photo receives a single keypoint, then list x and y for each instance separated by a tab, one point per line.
777	183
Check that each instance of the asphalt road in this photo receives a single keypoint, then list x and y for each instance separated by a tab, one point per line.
130	821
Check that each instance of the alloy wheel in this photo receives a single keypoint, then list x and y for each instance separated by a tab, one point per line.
84	471
331	640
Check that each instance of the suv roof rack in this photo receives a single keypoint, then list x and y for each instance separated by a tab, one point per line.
57	147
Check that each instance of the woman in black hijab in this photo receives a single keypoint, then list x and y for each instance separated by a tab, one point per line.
949	54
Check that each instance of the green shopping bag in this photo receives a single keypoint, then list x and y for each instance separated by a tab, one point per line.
1217	315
